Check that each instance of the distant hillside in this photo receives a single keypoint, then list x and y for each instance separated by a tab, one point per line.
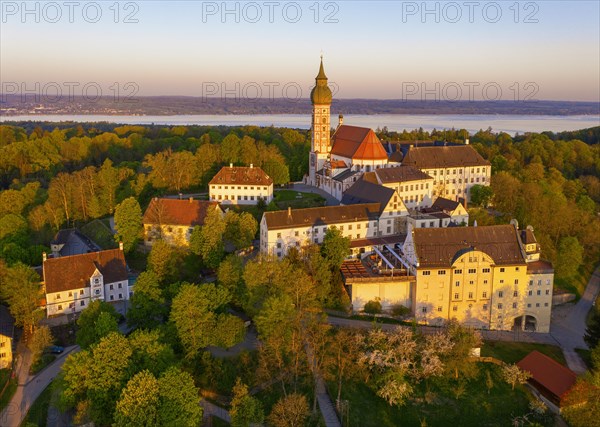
11	105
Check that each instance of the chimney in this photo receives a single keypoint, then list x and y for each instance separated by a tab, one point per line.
44	256
467	141
341	118
191	199
121	245
230	165
289	211
180	196
251	165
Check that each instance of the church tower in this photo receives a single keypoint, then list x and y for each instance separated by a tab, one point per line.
320	144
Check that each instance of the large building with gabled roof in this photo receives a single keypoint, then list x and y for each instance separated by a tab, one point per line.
239	185
71	282
173	220
487	277
338	160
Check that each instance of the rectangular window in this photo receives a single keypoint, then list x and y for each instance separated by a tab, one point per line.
426	273
120	296
458	271
455	308
485	270
516	281
441	272
500	294
82	303
502	270
470	295
515	294
537	304
456	296
539	292
500	306
485	306
531	283
111	287
547	291
457	284
472	270
514	305
112	297
424	309
530	293
545	304
120	286
484	295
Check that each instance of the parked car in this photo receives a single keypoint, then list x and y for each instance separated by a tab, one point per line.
55	349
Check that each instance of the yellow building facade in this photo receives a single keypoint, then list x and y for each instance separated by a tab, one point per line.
480	276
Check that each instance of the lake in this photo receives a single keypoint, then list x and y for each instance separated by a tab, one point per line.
506	123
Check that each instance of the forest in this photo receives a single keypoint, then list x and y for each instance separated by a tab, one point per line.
73	176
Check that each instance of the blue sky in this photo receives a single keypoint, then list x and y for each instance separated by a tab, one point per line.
380	49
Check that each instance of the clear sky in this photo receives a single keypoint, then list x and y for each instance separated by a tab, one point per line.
378	49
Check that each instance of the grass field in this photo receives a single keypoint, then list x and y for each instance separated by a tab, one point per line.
100	233
294	199
10	390
577	283
512	352
475	407
38	412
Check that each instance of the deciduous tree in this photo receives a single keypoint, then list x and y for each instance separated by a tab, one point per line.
128	223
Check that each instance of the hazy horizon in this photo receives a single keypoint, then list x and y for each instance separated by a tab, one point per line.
546	50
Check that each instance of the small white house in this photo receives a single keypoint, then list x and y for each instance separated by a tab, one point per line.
236	185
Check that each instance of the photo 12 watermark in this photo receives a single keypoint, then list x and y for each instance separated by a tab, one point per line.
270	12
55	92
452	12
255	91
24	12
469	91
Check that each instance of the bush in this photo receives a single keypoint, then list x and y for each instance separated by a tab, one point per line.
400	310
373	307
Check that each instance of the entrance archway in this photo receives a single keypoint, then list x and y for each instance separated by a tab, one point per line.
526	323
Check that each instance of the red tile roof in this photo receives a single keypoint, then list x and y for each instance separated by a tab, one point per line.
444	157
547	372
357	143
440	247
338	164
74	272
241	176
311	217
178	212
402	173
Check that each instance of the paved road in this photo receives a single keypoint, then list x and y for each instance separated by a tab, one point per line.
30	388
212	410
569	323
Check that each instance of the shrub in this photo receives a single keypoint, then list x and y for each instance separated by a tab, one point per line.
400	310
373	307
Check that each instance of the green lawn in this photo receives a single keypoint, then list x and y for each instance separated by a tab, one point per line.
577	283
295	199
100	233
512	352
10	390
38	412
41	363
586	356
474	408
